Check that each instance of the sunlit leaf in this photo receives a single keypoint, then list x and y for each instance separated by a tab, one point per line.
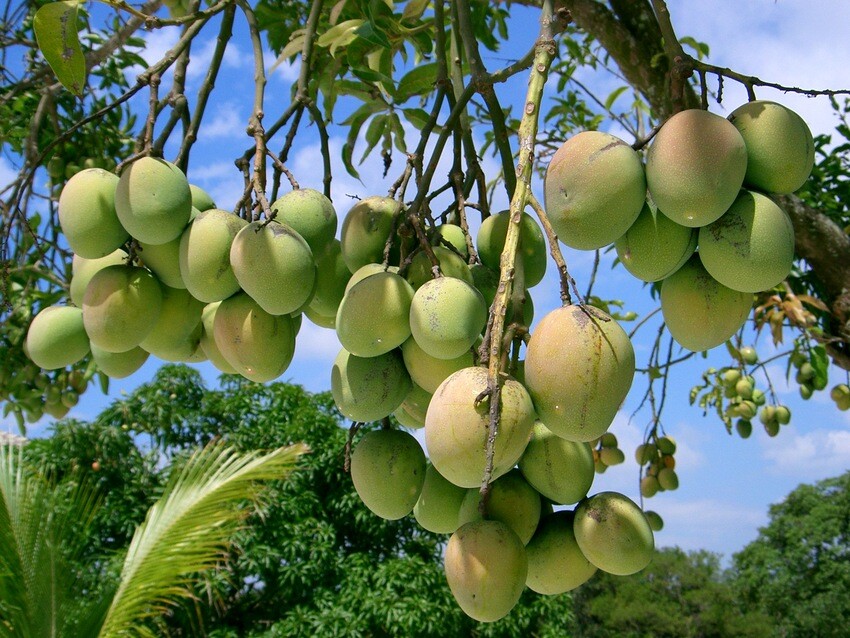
55	26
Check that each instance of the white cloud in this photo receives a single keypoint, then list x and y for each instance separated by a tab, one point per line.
8	173
808	457
202	53
701	523
157	44
226	123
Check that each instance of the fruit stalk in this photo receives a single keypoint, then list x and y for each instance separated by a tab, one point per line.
545	49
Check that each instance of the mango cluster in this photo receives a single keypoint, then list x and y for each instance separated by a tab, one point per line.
408	350
697	217
202	282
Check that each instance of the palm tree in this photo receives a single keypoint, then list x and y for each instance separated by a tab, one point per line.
184	533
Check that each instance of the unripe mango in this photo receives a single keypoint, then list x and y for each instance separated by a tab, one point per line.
579	367
201	199
332	277
451	265
555	562
559	469
452	234
427	371
274	265
57	338
700	312
177	332
153	200
416	404
163	260
121	307
374	315
388	470
258	345
83	270
365	230
655	247
119	365
309	213
780	148
532	248
446	317
595	187
613	533
512	501
368	270
369	388
695	167
456	427
486	568
439	503
207	342
87	214
205	255
751	247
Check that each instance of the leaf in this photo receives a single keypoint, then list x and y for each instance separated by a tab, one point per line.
414	9
355	121
339	35
374	133
419	81
55	26
294	46
373	35
336	10
398	132
418	117
187	530
609	101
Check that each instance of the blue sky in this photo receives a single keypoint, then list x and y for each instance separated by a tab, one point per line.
726	483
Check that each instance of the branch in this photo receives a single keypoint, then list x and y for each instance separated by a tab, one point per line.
545	49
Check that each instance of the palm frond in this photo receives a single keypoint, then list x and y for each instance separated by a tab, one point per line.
187	531
41	526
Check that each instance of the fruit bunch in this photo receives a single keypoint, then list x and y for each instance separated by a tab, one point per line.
159	270
698	217
660	465
732	391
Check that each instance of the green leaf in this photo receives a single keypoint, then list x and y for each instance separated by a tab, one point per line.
188	529
419	81
55	26
418	117
371	34
414	9
374	133
700	48
609	101
295	44
398	132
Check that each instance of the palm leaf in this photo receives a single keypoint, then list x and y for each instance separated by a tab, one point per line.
187	531
41	529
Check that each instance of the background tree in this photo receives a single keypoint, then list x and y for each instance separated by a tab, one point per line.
798	570
43	529
679	594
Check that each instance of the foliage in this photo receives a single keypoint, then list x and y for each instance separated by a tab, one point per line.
798	569
43	528
680	594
